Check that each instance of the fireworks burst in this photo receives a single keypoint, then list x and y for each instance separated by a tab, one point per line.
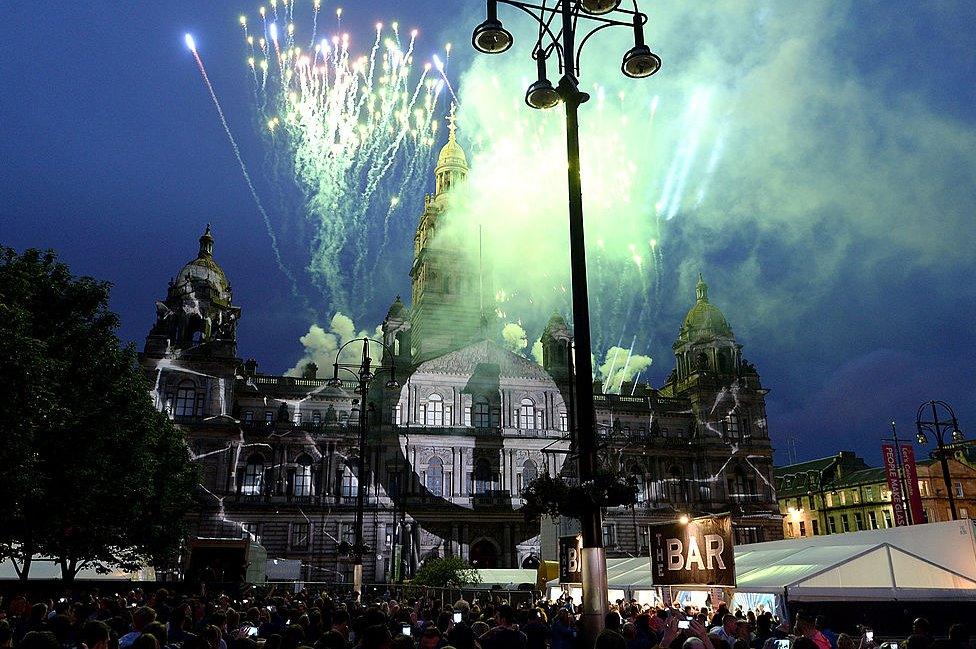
355	132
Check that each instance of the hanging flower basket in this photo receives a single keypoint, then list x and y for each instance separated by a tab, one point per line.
548	496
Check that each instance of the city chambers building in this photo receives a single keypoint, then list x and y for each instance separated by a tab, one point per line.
453	443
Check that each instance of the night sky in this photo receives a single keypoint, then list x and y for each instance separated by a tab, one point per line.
114	157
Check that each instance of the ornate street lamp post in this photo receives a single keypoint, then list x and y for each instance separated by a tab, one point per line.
490	37
943	421
364	372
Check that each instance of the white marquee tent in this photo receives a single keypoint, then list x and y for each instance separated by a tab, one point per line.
929	562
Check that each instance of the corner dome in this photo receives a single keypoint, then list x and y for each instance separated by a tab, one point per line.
203	269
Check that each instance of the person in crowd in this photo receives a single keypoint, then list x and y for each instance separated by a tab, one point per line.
141	618
505	633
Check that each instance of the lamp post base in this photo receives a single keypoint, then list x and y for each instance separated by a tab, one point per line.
357	578
594	593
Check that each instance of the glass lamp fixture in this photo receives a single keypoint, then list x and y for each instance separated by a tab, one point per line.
599	7
490	37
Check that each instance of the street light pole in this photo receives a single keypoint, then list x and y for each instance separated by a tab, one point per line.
364	374
490	37
938	426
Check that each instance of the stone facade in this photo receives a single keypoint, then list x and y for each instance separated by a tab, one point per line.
450	449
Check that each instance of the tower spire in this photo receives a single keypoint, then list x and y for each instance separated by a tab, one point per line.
701	289
206	244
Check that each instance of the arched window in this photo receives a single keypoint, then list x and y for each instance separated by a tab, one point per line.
186	400
303	476
435	476
527	415
253	475
529	473
350	484
482	476
481	413
434	415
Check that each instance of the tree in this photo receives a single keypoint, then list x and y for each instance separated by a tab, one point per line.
446	571
95	475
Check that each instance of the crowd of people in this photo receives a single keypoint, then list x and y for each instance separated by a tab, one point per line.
320	620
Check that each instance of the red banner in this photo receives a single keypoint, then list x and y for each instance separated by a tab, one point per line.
894	484
911	481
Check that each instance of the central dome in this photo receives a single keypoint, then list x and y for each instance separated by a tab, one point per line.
704	317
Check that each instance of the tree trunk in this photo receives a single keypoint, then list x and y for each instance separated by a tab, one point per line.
69	569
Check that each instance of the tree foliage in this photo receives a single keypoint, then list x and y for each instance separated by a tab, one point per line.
446	571
95	475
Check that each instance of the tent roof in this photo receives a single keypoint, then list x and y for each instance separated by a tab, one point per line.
506	576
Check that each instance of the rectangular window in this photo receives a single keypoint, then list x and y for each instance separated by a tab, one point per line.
467	416
858	521
803	528
873	518
248	416
298	536
251	531
393	484
448	415
845	522
744	535
316	417
297	417
347	532
856	496
812	503
887	517
609	536
830	500
563	422
843	498
792	532
963	513
959	491
816	528
832	524
868	494
268	416
396	416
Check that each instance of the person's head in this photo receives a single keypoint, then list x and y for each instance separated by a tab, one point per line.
959	634
431	638
693	643
629	631
212	635
921	626
377	636
610	641
143	617
479	628
158	631
505	615
38	611
95	635
718	641
146	641
612	621
401	642
7	635
730	623
340	621
845	641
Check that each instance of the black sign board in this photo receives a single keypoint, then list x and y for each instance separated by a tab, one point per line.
698	553
570	560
